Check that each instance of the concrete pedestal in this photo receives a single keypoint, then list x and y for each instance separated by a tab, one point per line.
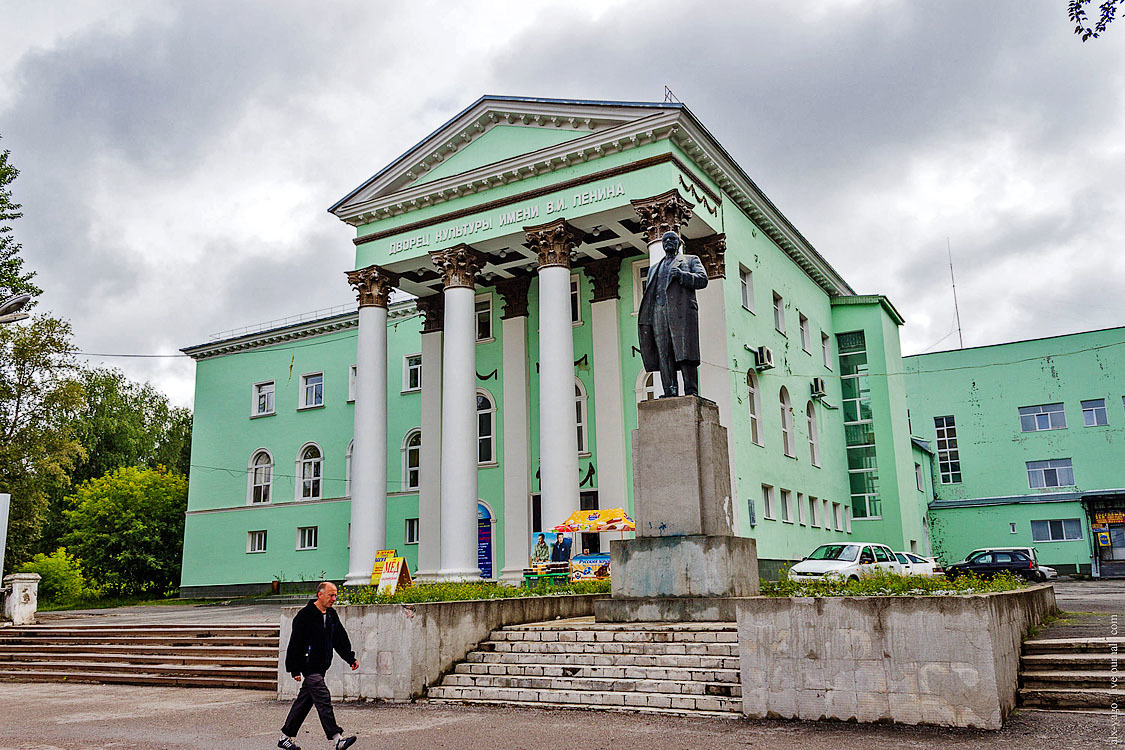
21	598
686	563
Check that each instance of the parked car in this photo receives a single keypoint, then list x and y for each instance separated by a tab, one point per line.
1029	551
990	562
1048	573
845	560
916	565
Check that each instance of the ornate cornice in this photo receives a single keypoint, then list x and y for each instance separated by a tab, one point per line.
605	275
458	265
433	310
662	213
553	242
372	285
513	292
712	253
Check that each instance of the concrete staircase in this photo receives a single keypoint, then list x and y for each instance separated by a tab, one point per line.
236	656
1071	673
682	668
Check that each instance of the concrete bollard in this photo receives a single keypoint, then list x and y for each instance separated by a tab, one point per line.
21	598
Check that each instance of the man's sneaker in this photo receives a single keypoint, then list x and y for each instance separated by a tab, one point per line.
287	744
345	742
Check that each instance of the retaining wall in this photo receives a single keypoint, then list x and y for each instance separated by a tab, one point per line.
402	648
945	660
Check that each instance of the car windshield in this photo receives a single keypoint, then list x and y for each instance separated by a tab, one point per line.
902	558
845	552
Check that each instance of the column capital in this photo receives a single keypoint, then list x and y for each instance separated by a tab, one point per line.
513	292
553	242
662	213
605	277
712	253
372	285
433	308
458	265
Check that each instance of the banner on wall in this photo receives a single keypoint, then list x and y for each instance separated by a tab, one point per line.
1107	516
1103	539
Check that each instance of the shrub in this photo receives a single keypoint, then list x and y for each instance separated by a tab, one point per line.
61	578
892	584
452	592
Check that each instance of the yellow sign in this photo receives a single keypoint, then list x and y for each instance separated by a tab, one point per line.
1109	517
380	557
1103	539
395	573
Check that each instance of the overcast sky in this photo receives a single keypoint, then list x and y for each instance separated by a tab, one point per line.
177	158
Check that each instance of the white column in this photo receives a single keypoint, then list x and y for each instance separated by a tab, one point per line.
369	453
558	422
459	439
609	412
429	481
517	450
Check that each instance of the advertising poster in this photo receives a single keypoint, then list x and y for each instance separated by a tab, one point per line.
377	570
396	574
589	567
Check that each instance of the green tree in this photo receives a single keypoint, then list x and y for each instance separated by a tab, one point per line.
60	576
13	279
129	529
1076	10
38	402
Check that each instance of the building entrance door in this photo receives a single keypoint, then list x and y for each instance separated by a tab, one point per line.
1109	542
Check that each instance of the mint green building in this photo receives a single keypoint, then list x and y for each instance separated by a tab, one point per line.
1029	447
486	384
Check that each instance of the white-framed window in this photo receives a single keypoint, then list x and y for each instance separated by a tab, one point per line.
348	469
787	506
575	300
768	511
1042	417
580	414
412	373
312	390
486	427
778	313
787	442
813	511
838	516
310	470
802	516
746	284
261	477
646	386
353	376
919	478
255	541
1094	413
640	278
814	433
754	406
826	349
1056	530
1012	528
949	458
806	334
261	399
410	535
825	519
306	537
483	313
1058	472
848	520
412	460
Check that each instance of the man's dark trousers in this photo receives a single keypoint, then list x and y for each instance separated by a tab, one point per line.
313	693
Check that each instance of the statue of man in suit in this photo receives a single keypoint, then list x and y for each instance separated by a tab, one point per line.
668	321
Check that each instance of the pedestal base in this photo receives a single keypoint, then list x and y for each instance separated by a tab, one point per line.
695	565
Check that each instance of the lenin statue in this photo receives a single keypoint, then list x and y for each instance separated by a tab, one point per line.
668	321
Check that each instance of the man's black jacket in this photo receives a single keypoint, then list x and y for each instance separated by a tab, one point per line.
315	635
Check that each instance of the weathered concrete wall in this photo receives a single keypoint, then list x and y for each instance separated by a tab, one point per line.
946	660
402	648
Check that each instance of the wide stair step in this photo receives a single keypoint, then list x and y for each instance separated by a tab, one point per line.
688	668
1071	673
184	655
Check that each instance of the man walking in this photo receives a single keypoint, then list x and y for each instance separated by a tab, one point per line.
316	632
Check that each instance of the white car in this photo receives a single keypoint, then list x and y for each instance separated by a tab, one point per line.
916	565
1048	573
845	560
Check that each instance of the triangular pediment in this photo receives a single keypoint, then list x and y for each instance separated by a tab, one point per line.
496	131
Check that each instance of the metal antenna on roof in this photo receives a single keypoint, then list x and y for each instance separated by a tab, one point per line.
670	97
953	281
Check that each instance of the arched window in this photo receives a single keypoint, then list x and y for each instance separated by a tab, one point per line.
814	434
310	469
754	406
412	460
786	423
261	477
486	428
646	386
580	415
348	469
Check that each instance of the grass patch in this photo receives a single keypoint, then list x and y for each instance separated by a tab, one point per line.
454	592
892	584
